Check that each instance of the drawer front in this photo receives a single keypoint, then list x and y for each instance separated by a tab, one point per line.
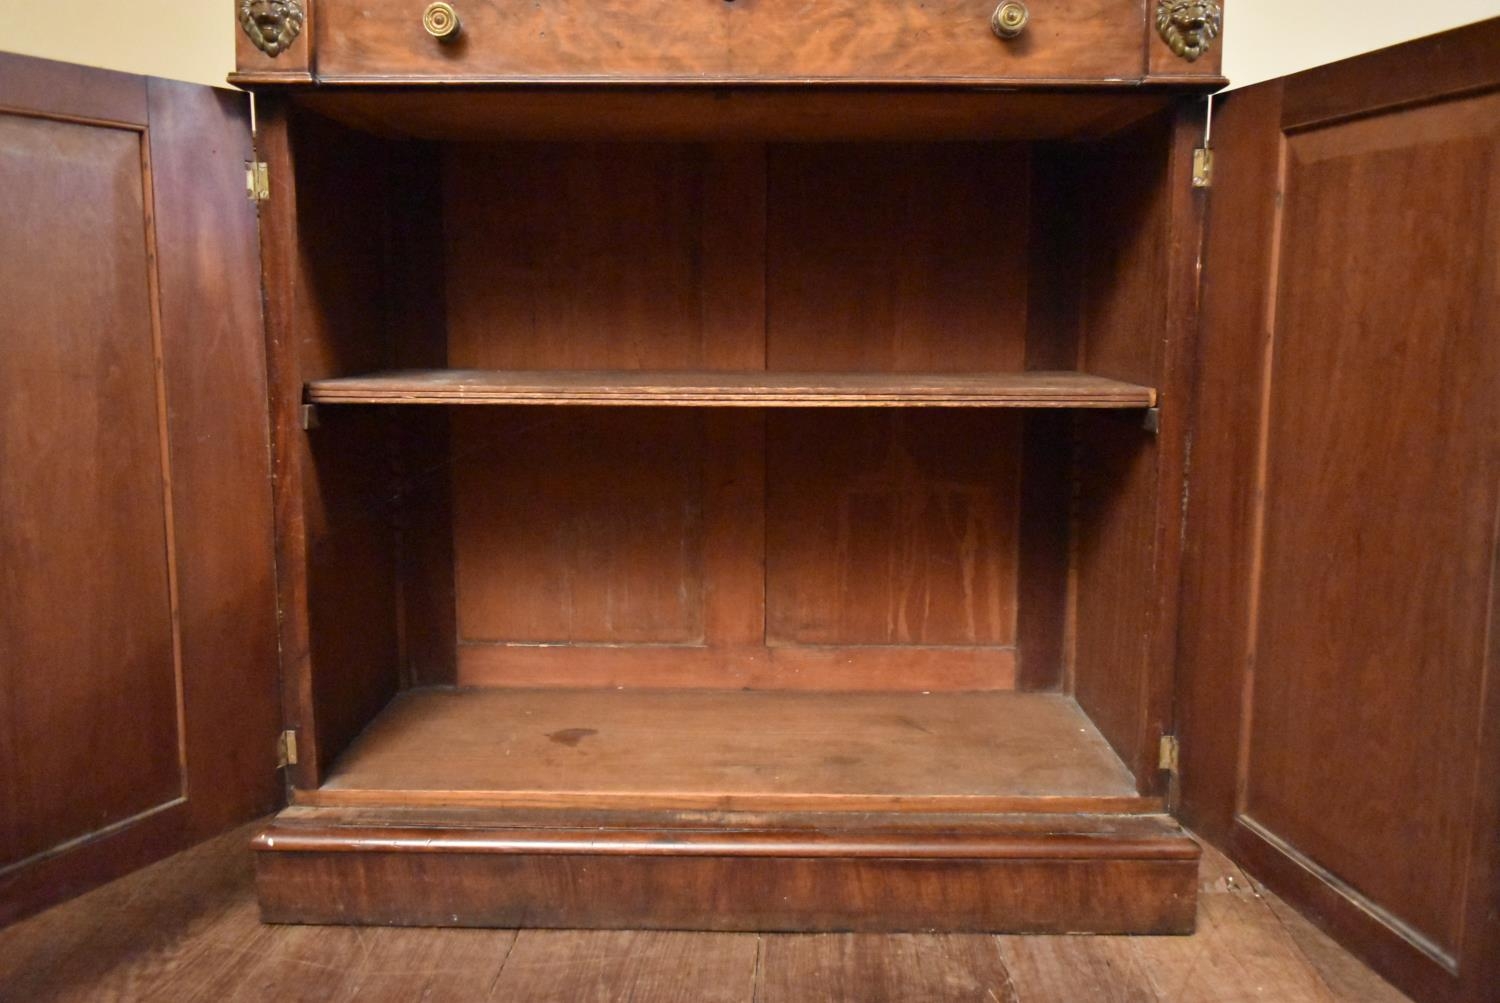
731	40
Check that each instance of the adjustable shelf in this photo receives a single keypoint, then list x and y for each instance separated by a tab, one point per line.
733	389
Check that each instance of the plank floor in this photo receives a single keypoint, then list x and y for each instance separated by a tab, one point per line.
731	748
187	929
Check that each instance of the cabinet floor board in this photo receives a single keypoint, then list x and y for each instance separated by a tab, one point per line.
731	749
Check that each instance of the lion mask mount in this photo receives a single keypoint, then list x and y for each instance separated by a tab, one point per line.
271	24
1189	27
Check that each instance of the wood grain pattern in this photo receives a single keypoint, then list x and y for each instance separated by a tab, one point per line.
335	533
857	966
189	928
1019	872
44	87
896	258
855	668
625	41
1137	317
1334	392
1227	411
673	967
1390	386
598	256
632	258
88	636
418	310
222	517
1445	65
742	389
135	536
891	529
693	749
585	529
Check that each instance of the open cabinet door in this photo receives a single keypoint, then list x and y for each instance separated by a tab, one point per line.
138	693
1339	713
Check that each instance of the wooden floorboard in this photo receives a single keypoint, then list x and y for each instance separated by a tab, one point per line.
583	966
188	929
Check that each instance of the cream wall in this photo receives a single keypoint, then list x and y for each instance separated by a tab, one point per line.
1270	38
183	39
194	40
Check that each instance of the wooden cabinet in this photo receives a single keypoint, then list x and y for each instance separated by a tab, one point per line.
807	467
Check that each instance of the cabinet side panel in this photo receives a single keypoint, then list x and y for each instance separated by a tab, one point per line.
1138	310
324	257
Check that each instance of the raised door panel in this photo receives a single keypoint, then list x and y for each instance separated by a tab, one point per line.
1340	728
1380	485
87	638
137	649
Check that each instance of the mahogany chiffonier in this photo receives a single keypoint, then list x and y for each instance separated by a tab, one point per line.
883	465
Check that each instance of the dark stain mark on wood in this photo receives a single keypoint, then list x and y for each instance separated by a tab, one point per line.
571	736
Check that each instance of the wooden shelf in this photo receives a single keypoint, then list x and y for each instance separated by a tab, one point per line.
732	749
733	389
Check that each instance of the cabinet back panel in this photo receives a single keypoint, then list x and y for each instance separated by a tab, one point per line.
86	625
892	528
581	527
633	548
1137	264
601	256
897	257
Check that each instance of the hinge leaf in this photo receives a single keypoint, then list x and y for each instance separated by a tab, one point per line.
286	749
1203	167
257	180
1169	754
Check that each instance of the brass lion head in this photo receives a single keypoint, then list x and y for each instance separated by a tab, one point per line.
271	24
1189	27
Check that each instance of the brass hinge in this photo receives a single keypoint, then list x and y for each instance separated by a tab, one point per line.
286	749
1167	754
1203	168
257	180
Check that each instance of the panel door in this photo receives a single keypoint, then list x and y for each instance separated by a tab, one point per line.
1339	715
138	692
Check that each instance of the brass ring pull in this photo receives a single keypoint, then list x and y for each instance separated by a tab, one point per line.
441	21
1010	19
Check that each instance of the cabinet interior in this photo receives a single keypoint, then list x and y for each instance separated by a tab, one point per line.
761	494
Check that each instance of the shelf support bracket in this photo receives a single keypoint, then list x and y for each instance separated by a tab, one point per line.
1151	420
